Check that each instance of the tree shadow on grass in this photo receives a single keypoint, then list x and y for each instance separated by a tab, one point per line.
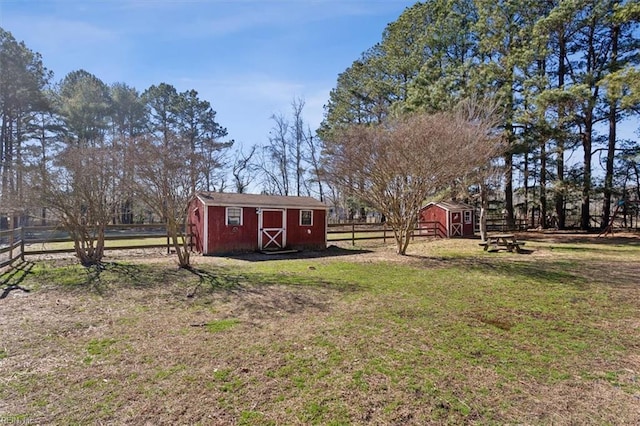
12	279
105	276
285	292
231	282
263	295
331	251
543	271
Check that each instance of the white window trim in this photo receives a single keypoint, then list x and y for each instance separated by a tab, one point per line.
468	218
306	210
226	216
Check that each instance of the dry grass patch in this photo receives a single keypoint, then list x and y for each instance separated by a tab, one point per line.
449	334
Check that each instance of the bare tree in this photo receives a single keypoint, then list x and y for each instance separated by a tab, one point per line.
403	161
274	164
83	187
82	193
485	177
296	144
289	163
313	158
176	158
164	183
242	170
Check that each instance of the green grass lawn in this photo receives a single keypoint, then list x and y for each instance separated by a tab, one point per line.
447	335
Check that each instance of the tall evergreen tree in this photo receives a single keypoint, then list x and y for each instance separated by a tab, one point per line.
128	122
23	79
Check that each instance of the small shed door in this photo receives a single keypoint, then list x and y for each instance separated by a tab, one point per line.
271	229
456	224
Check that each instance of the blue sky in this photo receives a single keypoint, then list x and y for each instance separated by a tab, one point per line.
249	58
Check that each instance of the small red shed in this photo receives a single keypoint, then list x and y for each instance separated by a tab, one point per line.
227	223
454	219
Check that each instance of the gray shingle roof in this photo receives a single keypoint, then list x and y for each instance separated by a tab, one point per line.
259	200
451	205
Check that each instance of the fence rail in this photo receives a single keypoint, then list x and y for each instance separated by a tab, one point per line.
11	246
31	236
378	231
16	243
500	224
54	234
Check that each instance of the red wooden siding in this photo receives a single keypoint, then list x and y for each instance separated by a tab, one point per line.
225	238
435	215
307	237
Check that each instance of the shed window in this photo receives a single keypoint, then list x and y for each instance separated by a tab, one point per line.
306	217
234	216
467	217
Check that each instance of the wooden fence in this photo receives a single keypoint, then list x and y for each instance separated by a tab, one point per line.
34	235
379	231
16	243
11	246
500	225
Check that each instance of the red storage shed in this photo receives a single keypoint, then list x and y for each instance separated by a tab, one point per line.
454	219
227	223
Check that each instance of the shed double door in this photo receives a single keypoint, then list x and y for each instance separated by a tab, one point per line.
272	233
456	224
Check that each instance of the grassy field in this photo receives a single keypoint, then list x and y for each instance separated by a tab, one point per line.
447	335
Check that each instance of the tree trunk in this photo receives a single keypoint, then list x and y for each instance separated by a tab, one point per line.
508	191
525	173
608	179
585	219
184	259
484	206
543	185
89	249
559	187
611	149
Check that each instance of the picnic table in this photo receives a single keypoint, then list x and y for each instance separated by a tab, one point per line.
498	241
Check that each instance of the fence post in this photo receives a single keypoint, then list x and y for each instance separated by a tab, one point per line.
22	243
11	242
384	232
353	234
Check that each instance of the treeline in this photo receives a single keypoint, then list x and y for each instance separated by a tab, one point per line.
48	127
92	154
81	153
565	74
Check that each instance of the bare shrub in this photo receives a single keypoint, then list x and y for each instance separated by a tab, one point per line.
397	165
